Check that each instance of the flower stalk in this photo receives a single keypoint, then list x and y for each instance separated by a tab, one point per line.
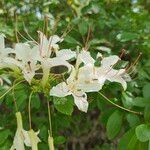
50	137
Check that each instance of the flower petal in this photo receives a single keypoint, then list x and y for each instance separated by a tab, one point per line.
31	139
54	39
60	90
44	45
117	76
85	57
26	138
80	99
18	143
66	54
22	51
108	62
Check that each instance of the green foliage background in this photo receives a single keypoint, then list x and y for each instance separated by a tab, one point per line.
116	24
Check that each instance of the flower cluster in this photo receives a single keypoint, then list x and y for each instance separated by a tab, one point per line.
26	56
84	76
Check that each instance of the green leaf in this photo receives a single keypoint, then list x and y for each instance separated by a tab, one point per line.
6	145
133	120
4	135
127	36
83	27
127	99
35	101
146	91
114	124
133	143
70	40
126	140
147	114
143	132
59	140
64	105
141	146
141	102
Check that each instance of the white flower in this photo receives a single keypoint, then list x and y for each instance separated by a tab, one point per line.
81	80
46	48
78	83
25	60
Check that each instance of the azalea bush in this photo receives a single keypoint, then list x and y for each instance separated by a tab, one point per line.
72	76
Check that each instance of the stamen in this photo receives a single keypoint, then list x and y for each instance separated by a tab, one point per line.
46	24
68	29
25	29
122	53
49	46
41	41
22	36
16	26
134	63
87	39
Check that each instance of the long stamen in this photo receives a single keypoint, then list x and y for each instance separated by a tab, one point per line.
49	45
25	29
134	63
22	36
46	25
122	53
87	39
16	25
41	42
68	29
123	108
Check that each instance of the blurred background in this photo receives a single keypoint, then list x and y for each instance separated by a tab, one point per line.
105	26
